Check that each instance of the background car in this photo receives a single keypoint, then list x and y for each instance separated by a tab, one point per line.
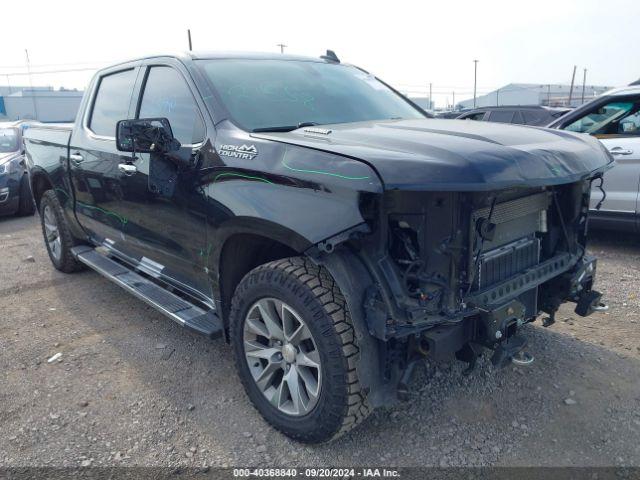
519	114
15	192
614	118
451	114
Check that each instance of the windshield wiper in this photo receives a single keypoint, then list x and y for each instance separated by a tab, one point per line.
284	128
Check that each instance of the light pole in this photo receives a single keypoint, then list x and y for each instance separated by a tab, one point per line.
573	79
475	80
282	46
584	81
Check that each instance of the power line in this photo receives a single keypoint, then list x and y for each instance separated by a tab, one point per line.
46	72
42	65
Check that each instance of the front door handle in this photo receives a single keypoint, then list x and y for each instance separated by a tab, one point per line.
620	151
127	168
76	158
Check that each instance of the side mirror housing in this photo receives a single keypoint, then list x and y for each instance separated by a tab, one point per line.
146	135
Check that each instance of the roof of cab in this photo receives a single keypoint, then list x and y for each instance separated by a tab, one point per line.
182	55
251	56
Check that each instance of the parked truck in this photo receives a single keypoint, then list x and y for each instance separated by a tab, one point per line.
319	221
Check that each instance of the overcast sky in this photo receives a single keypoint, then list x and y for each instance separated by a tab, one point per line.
408	44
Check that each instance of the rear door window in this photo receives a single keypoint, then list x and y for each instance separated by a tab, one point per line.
517	118
501	116
111	103
533	117
167	95
475	116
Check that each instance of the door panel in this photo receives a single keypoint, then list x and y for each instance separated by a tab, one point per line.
621	182
615	121
173	220
105	196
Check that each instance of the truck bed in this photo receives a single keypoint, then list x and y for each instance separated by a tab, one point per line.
48	145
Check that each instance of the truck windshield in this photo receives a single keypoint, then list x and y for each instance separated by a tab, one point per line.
284	94
8	140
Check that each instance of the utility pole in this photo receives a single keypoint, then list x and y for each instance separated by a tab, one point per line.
189	37
430	97
282	46
454	100
497	97
33	93
475	79
584	81
548	95
573	79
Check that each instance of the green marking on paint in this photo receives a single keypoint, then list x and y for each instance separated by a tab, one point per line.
320	172
208	252
241	175
120	218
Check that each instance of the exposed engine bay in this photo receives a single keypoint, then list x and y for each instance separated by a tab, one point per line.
464	270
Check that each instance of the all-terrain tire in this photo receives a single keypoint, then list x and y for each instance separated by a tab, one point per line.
64	261
315	296
26	206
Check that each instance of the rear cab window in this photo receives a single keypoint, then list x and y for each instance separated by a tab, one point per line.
111	102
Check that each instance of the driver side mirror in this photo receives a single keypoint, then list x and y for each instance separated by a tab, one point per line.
146	135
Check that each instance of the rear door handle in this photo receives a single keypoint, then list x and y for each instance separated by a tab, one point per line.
76	158
620	151
127	168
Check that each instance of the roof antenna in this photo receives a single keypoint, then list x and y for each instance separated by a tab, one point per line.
330	56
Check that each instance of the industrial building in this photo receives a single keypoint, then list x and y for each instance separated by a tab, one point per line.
38	103
423	102
536	94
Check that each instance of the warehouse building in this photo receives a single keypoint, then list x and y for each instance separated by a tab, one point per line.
536	94
38	103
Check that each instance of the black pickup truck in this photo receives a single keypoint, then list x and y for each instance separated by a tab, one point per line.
319	221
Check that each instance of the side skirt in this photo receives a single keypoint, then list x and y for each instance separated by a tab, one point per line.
176	308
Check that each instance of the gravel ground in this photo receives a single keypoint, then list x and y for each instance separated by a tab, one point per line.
133	388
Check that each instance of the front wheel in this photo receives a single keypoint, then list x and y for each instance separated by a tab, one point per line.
296	351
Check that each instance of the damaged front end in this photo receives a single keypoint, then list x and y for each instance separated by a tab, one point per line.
455	273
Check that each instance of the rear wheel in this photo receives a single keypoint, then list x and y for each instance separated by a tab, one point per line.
57	235
296	350
26	205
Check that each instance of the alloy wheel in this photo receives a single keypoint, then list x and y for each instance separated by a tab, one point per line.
282	356
52	233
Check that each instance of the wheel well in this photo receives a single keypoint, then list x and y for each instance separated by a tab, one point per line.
39	184
242	253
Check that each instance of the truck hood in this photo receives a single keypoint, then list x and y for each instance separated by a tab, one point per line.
437	154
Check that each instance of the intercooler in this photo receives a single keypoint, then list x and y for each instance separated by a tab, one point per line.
514	246
504	262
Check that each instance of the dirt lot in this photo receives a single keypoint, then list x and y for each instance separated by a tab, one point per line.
133	388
